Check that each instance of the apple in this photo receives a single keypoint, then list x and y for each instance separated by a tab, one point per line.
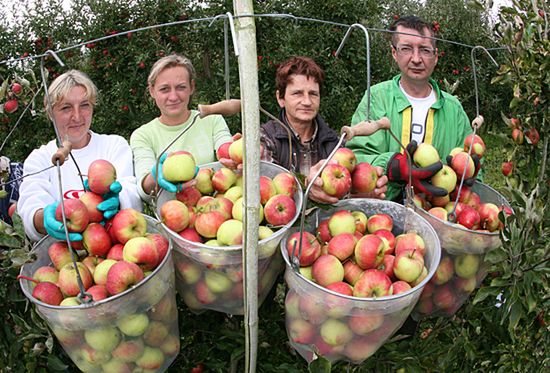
409	241
445	178
323	232
507	168
335	332
133	325
533	136
141	251
400	286
223	151
425	306
372	283
190	272
462	162
237	210
96	240
341	287
425	155
98	292
279	210
179	166
267	189
379	221
223	179
264	232
236	150
352	272
369	251
204	181
327	269
388	238
360	221
342	245
301	331
115	252
116	366
341	222
336	180
190	234
121	276
473	200
11	106
175	215
387	265
364	178
48	293
230	232
101	270
469	218
91	262
46	273
476	143
311	249
103	339
345	157
408	265
234	193
444	272
59	254
360	348
91	200
438	212
419	201
101	174
70	302
311	309
420	278
285	183
128	350
189	196
217	281
466	265
16	88
128	223
171	345
67	280
208	223
465	285
363	323
76	214
488	215
161	244
444	297
222	205
12	209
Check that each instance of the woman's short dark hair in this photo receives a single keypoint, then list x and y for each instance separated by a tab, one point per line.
297	66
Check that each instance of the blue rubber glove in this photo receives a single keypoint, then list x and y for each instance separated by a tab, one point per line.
54	227
111	203
163	183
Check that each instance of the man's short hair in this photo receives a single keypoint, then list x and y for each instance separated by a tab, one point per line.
297	66
411	22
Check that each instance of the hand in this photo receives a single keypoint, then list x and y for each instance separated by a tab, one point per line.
111	203
477	165
229	163
316	193
162	182
399	170
381	187
54	227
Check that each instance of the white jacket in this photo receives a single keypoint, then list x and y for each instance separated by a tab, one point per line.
38	191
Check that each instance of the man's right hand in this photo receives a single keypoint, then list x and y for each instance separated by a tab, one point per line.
399	169
54	227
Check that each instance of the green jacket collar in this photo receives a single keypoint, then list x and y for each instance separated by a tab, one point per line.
403	103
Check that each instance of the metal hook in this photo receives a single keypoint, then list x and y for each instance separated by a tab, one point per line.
475	74
233	33
367	43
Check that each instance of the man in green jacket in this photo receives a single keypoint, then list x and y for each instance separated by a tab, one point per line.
418	110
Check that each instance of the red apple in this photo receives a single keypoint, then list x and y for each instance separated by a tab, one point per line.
345	157
364	178
175	215
327	269
98	292
161	244
300	331
336	180
363	323
189	196
387	265
341	287
223	179
408	266
438	212
469	218
96	240
360	221
91	262
236	150
352	272
533	136
285	183
444	271
444	297
230	233
48	293
16	88
76	214
400	286
141	251
507	168
279	210
369	251
46	273
409	241
208	223
222	205
267	189
323	231
389	240
488	214
67	280
128	223
342	245
372	283
59	254
91	200
121	276
179	166
101	174
311	249
115	252
11	106
477	144
341	221
379	221
190	234
462	162
223	151
12	209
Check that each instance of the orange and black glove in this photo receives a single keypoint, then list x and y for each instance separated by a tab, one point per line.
398	171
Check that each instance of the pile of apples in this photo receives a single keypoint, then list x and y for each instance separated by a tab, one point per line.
353	255
211	211
456	277
470	212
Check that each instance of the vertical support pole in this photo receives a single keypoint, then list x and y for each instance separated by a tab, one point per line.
248	77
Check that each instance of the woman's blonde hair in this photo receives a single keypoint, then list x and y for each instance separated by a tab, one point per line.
61	86
172	60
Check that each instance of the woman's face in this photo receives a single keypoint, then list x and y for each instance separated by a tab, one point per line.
73	116
172	92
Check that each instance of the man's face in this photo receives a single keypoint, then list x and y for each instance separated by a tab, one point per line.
73	116
415	56
301	100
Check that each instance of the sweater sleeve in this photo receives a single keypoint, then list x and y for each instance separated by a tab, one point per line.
122	160
220	132
34	192
143	156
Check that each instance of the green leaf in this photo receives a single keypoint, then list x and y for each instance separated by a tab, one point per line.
320	365
484	292
55	364
516	313
9	241
18	225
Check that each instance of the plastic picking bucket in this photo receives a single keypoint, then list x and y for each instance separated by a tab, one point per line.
339	327
135	329
211	277
462	267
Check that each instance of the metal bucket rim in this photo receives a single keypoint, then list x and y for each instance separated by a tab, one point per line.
198	246
92	304
418	287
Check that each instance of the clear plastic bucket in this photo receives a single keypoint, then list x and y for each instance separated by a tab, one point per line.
97	336
211	278
462	260
362	325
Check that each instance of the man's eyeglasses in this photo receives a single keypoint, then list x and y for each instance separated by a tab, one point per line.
407	51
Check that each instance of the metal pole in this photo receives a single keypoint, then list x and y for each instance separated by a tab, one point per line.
250	101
